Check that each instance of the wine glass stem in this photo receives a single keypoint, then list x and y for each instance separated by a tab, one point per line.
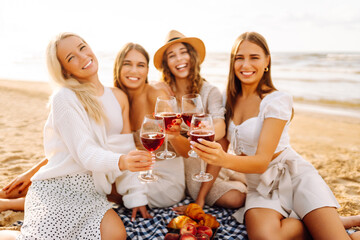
149	172
166	143
202	167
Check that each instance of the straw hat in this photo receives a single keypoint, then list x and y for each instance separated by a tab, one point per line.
176	37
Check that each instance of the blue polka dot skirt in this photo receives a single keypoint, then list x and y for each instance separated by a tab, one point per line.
64	208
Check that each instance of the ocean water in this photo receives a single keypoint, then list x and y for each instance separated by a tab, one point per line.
326	80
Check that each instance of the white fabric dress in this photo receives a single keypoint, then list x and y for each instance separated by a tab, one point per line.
170	187
227	179
290	185
67	197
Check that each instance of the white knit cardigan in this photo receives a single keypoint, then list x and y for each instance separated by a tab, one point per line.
75	143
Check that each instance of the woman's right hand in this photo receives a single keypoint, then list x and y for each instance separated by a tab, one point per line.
18	187
136	160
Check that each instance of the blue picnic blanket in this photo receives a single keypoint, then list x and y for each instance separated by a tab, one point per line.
155	228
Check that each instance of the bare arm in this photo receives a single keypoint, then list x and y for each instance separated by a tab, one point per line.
269	138
22	182
220	126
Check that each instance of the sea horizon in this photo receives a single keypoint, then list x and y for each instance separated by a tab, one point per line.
328	80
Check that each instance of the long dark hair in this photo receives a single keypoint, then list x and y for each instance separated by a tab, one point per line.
234	83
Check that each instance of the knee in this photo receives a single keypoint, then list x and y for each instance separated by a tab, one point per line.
232	199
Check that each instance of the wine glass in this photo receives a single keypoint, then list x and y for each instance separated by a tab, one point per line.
191	104
166	107
202	127
152	135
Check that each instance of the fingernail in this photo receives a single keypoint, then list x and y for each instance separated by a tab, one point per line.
191	146
174	121
200	139
192	142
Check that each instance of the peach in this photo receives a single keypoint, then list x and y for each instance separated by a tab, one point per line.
202	236
172	236
187	236
188	228
205	229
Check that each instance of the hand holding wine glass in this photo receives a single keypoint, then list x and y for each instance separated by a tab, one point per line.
191	104
166	107
152	135
202	127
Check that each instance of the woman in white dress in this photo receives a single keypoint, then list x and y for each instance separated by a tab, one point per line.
287	198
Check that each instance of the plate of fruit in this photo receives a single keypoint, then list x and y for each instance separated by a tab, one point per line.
194	225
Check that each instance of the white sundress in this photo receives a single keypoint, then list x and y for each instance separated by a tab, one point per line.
290	185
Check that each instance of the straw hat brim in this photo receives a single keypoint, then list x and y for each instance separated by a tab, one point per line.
196	43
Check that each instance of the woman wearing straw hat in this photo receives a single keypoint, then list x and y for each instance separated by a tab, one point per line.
179	61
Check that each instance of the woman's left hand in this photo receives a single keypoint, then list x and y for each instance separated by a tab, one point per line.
210	152
144	212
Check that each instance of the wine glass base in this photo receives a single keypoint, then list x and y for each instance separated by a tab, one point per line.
146	178
165	155
193	154
206	177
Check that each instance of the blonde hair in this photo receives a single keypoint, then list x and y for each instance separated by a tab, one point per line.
234	84
194	75
85	92
119	62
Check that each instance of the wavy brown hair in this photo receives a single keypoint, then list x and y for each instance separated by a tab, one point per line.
119	62
194	75
234	84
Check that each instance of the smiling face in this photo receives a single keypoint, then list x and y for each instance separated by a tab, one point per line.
134	70
178	60
250	63
77	58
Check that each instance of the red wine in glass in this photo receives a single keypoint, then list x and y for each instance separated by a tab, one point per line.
152	141
207	135
187	118
168	118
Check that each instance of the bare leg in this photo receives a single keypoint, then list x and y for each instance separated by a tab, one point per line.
231	199
262	223
326	216
350	221
111	227
16	204
8	234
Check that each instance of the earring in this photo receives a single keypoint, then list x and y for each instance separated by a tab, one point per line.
266	69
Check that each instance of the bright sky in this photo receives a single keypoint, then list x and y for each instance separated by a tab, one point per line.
306	25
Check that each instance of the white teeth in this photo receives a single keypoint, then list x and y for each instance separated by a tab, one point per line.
87	64
181	66
247	73
133	78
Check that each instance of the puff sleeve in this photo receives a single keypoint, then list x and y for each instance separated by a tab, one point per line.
277	105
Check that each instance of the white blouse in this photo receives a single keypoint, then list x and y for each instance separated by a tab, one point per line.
245	136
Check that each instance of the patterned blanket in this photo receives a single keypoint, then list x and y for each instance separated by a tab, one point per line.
155	228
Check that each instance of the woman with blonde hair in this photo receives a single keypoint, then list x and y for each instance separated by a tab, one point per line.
67	197
287	198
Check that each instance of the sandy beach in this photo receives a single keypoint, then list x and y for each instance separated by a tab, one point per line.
331	143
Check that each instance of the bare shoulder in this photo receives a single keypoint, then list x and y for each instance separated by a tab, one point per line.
119	94
153	92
